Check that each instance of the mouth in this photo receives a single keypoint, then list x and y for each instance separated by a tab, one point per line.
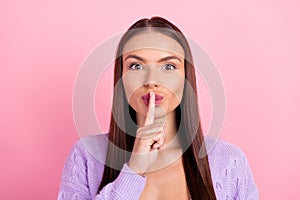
146	99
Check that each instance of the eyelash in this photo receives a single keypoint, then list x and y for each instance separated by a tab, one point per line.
174	67
134	64
131	66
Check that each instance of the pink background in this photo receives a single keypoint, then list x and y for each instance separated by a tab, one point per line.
255	45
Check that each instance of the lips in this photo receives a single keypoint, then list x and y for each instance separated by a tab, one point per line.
146	98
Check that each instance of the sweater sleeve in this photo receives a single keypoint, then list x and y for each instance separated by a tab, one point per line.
80	173
128	185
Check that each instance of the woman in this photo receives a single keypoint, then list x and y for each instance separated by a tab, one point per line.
155	116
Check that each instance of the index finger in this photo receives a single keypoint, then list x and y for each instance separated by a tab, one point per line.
149	119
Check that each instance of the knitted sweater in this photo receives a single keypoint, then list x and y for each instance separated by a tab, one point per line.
83	171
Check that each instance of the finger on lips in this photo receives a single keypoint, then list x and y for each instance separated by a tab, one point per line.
149	119
149	128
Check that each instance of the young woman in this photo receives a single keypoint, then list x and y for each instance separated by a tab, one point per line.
152	148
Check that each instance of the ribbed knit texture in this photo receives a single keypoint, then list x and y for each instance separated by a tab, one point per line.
83	171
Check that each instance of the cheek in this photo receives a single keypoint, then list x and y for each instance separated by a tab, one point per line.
131	83
175	85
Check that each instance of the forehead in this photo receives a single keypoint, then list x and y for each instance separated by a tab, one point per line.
153	40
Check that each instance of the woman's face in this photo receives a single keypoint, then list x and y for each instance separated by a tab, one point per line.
153	62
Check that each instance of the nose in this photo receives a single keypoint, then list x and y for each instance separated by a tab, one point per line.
151	84
151	78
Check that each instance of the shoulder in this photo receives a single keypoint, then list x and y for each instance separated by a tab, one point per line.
225	151
90	147
225	157
231	171
84	166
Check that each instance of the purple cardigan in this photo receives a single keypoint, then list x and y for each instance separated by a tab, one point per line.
83	171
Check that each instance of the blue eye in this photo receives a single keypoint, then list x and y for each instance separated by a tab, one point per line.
136	66
169	67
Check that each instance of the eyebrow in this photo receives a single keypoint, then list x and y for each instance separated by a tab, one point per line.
161	60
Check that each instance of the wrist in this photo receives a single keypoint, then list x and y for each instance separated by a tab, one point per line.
135	170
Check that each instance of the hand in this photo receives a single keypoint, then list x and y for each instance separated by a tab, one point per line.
149	139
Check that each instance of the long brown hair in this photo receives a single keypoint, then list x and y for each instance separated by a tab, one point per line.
197	171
